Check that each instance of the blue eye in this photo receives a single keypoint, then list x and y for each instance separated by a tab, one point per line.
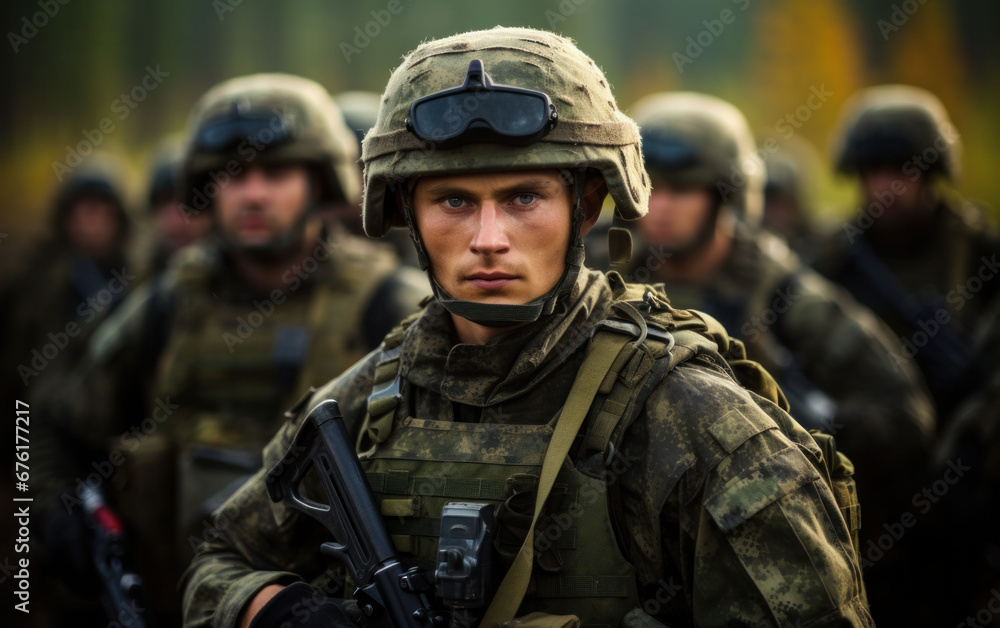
526	199
455	202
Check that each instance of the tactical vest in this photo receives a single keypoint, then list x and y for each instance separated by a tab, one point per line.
232	367
415	465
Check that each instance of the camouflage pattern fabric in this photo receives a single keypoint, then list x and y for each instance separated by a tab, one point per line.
728	520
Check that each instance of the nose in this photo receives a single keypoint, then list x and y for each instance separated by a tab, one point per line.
490	237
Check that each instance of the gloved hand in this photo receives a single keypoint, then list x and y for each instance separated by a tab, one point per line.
301	605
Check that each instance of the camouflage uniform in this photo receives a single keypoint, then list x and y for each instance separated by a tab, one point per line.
921	289
181	388
724	517
830	356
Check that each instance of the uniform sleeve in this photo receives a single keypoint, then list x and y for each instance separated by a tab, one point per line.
882	409
254	542
726	509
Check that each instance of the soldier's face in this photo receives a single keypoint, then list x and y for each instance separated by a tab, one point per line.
92	225
676	215
495	237
896	192
262	202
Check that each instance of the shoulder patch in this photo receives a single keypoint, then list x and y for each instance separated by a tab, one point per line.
759	486
734	428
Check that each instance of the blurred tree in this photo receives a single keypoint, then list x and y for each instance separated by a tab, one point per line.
802	49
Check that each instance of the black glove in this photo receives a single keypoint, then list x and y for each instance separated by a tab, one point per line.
299	604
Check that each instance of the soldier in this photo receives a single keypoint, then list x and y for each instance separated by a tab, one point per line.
193	371
915	254
72	282
174	227
497	149
702	238
792	172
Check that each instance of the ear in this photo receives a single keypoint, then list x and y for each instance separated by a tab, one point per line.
594	192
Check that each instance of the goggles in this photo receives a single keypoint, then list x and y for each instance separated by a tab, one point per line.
479	111
667	151
227	132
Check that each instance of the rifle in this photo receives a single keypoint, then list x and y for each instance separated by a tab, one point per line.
121	586
388	594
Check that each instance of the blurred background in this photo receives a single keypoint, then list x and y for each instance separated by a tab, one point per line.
136	68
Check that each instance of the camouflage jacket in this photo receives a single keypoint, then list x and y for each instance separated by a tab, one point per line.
820	344
726	519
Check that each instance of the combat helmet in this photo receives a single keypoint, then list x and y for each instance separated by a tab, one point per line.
693	139
268	118
102	175
892	124
492	100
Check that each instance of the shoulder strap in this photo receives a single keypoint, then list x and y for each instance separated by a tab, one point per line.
386	388
603	352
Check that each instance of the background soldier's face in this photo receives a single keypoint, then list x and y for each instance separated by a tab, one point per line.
262	202
495	237
92	225
676	215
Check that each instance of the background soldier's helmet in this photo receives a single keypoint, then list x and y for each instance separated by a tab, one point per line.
590	132
891	124
266	118
697	140
164	173
101	175
360	111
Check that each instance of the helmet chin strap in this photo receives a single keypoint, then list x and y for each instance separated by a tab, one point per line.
501	314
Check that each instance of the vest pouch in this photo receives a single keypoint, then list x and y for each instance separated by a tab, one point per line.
845	491
207	477
542	620
514	518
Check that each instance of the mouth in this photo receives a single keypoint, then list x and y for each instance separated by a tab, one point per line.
491	280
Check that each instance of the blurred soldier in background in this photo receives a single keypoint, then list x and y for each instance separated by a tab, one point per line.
71	283
793	169
174	227
915	254
702	238
181	389
58	299
360	111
